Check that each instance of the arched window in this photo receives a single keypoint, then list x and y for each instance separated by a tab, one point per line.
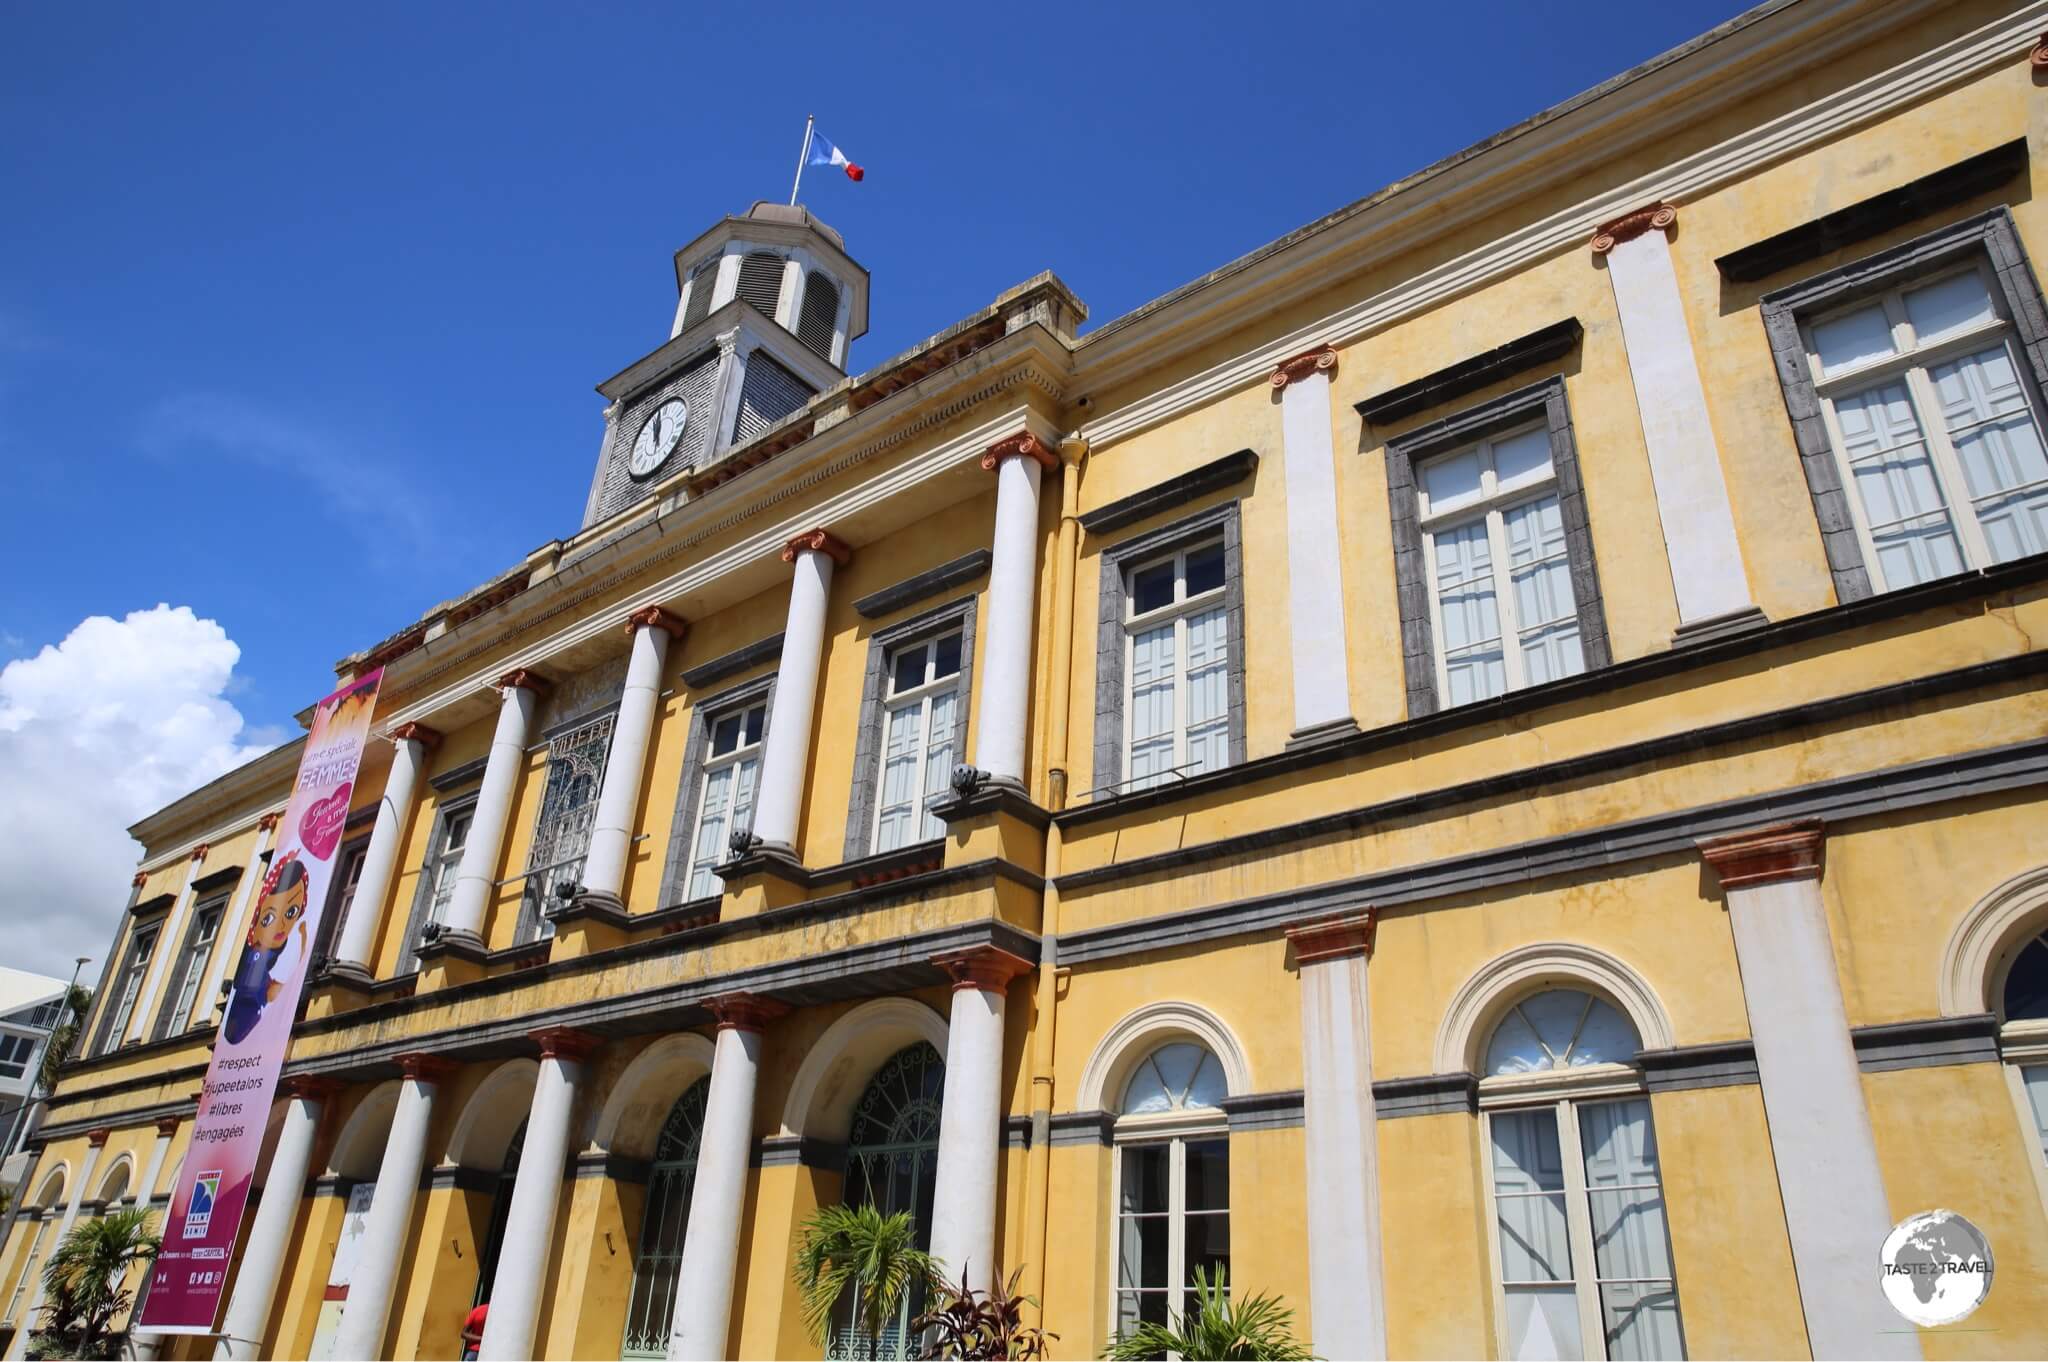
2023	1028
761	281
651	1312
1172	1182
50	1199
818	319
501	1210
1578	1229
115	1185
892	1160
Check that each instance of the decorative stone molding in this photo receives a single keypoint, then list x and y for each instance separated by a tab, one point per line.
1336	937
654	617
562	1042
987	968
1322	359
268	822
818	541
1506	979
745	1011
167	1126
1783	851
1629	226
141	878
1021	445
425	1068
98	1136
199	852
525	678
1981	947
1145	1030
429	738
2038	58
312	1087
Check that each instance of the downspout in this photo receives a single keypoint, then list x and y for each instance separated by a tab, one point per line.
1038	1159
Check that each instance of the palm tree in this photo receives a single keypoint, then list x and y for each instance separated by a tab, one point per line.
877	1255
63	1036
1256	1329
86	1277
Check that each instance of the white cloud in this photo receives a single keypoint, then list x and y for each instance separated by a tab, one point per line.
113	723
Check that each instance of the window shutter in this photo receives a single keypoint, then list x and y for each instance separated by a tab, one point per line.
761	281
820	314
703	282
767	394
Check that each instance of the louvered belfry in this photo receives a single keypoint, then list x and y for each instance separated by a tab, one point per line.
768	304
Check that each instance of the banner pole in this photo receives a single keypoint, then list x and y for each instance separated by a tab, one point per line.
810	121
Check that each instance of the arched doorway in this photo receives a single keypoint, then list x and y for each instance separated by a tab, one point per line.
651	1311
892	1161
501	1211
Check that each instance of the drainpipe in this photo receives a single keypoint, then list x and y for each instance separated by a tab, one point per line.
1038	1160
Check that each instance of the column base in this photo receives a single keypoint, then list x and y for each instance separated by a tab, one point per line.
590	922
342	987
993	818
1328	731
452	957
1715	627
766	876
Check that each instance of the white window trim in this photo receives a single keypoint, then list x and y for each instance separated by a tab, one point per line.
29	1266
1177	613
191	969
1175	1129
1912	363
713	765
447	861
1491	506
1562	1091
923	695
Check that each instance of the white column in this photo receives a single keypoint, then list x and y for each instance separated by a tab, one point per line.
530	1223
382	1247
1685	463
277	1212
476	878
1836	1213
1315	577
796	687
226	943
1346	1281
618	799
167	944
146	1346
410	745
711	1240
1004	706
971	1120
96	1140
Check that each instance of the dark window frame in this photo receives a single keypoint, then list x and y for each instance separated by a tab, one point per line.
423	892
182	961
107	1040
867	751
675	869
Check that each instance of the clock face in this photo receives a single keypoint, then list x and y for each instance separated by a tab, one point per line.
658	437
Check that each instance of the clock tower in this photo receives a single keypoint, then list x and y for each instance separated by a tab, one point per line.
767	304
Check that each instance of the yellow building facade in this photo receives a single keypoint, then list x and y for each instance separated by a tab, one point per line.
1482	766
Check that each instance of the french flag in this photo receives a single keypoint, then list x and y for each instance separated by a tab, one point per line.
823	153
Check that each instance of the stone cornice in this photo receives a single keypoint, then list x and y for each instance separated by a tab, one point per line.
1321	360
1772	855
1653	217
818	541
1335	938
1021	445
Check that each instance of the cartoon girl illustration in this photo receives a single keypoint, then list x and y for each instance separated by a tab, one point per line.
276	949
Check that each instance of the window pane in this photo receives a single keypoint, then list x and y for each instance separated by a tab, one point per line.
1528	1179
1152	588
2026	983
1641	1320
1146	1092
1894	479
949	657
1208	746
725	735
1471	618
1543	1323
907	668
1151	703
1953	302
2000	448
2037	1097
1177	1065
1208	1175
1206	1244
1205	569
1852	338
1522	459
1209	1088
938	759
1142	1259
1144	1184
900	776
1452	481
757	719
1135	1307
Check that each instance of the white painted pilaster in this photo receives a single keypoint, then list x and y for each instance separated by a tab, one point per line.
1685	462
410	745
385	1228
784	764
476	878
530	1222
1315	577
971	1117
270	1230
618	799
1836	1212
1002	710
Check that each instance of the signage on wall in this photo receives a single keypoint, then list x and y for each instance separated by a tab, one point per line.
270	967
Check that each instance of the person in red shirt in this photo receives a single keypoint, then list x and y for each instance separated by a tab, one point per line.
473	1331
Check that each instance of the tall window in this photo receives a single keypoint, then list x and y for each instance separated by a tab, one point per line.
29	1267
919	715
190	969
651	1312
1172	1184
892	1161
141	946
1487	509
568	809
1933	429
437	876
342	897
1578	1231
2023	1031
501	1211
732	769
1176	666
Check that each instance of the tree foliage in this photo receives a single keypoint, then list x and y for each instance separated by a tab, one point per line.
969	1323
857	1247
63	1037
1258	1328
85	1282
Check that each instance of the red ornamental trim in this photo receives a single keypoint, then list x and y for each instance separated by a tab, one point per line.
98	1136
818	541
141	878
1335	938
1629	226
745	1011
199	852
986	968
312	1087
561	1042
1784	851
167	1126
268	822
1024	445
1321	360
524	679
429	738
654	617
2038	58
423	1068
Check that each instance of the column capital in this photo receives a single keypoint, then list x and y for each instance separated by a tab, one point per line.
1073	449
562	1042
1629	226
98	1136
1783	851
654	617
141	878
167	1126
312	1087
1334	938
429	738
1021	445
1321	360
2038	58
199	852
744	1011
425	1068
988	969
819	540
269	821
525	678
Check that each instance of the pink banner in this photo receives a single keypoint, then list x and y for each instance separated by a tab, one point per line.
255	1029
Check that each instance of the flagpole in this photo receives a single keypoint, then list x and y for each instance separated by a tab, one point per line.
810	121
